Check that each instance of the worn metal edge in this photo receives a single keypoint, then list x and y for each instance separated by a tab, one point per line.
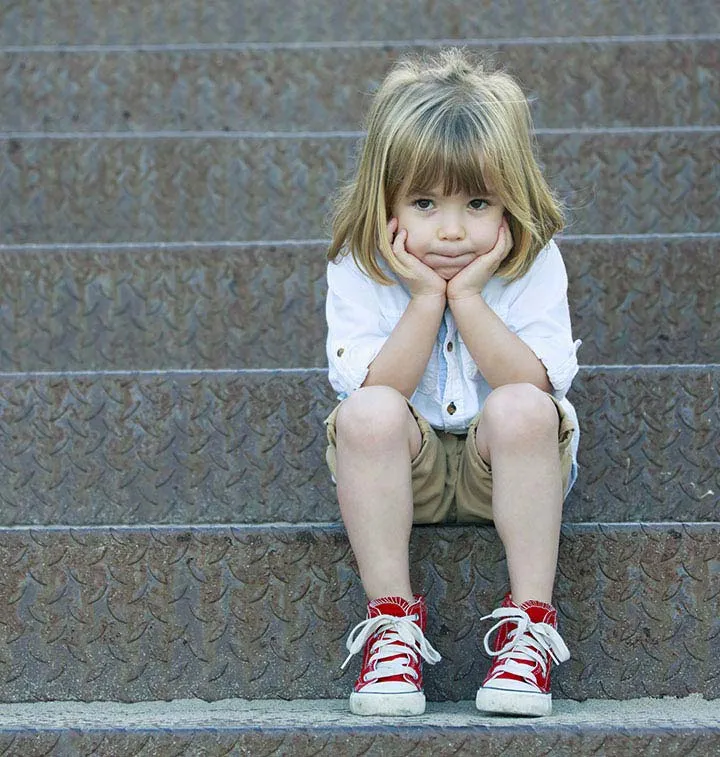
585	370
66	247
698	527
678	714
133	136
371	44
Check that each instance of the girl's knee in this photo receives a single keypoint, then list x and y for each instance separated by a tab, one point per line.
516	411
372	415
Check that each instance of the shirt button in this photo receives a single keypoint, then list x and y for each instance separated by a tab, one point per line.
451	408
341	352
450	347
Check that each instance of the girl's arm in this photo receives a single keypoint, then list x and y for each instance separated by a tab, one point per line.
536	345
403	359
361	352
501	356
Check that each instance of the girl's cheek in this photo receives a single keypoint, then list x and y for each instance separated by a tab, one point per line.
490	240
412	248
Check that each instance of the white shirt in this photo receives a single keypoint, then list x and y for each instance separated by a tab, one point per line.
361	314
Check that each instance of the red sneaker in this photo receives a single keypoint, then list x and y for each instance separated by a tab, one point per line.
393	637
518	682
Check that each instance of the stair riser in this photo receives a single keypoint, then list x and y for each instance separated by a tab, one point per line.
261	307
181	189
372	741
204	448
572	85
59	22
263	613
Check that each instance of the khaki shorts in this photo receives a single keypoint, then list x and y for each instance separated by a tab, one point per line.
451	483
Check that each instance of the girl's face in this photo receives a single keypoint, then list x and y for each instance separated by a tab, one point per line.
447	232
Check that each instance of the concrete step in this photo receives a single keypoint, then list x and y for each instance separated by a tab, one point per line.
229	447
163	612
633	300
160	188
572	84
187	728
102	22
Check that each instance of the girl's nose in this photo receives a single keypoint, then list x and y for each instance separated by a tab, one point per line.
451	229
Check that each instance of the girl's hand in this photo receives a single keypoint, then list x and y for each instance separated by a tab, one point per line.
472	279
422	281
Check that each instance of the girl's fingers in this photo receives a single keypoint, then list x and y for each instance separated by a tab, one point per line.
398	244
505	240
509	241
392	228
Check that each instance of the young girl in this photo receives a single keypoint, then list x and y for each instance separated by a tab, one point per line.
450	347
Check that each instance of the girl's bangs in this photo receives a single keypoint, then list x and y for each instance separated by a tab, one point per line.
449	153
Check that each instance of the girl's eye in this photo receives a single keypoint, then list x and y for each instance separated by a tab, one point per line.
478	204
423	204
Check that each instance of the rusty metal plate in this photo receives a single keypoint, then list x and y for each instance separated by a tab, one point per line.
103	22
263	306
249	447
262	612
166	189
603	83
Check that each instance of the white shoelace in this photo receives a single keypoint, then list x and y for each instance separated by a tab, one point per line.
524	643
400	638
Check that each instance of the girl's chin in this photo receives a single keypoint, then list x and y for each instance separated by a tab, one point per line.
447	273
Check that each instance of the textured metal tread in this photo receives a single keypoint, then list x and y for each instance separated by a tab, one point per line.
61	22
134	614
647	301
249	446
321	727
571	85
169	188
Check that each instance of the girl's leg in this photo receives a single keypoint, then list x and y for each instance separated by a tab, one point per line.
377	438
518	436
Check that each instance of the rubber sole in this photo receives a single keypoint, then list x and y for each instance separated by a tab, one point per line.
394	705
508	702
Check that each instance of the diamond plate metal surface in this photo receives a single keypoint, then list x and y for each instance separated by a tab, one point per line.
264	307
238	307
572	85
249	447
144	190
645	302
139	449
160	613
61	22
304	737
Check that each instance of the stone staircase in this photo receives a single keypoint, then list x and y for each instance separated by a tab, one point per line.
173	576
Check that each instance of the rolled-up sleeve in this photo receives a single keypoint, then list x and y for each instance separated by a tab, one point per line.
540	316
355	333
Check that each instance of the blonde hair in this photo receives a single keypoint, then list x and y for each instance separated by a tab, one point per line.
447	121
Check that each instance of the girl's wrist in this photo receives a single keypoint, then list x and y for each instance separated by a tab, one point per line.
467	299
429	299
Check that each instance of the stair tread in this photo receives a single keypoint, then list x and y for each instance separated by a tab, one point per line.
668	713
